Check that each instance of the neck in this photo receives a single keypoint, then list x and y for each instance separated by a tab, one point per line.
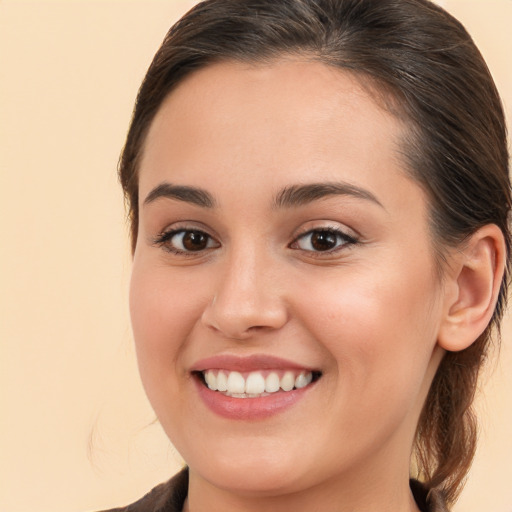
327	502
374	490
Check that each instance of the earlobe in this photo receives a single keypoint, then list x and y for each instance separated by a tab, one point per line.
475	281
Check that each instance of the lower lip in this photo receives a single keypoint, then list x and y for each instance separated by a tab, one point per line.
249	408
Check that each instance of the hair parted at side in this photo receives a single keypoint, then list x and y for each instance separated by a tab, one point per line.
456	149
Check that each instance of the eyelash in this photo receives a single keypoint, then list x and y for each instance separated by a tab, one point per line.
343	240
165	238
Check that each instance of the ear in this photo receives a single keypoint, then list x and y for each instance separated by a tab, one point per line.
473	283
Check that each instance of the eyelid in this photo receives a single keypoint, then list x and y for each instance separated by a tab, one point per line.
184	225
350	239
165	236
326	225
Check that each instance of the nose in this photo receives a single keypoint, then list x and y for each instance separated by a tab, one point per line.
248	298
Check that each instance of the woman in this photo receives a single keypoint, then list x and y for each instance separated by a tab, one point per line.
319	201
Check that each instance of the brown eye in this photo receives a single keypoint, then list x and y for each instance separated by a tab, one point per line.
194	240
183	241
323	240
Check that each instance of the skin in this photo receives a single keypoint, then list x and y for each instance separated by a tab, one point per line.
368	314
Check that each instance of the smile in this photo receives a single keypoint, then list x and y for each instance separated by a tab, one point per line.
255	384
254	387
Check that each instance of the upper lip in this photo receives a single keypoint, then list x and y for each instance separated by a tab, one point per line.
247	363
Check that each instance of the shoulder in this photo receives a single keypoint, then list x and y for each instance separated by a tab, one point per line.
166	497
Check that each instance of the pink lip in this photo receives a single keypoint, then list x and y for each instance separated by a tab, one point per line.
248	408
247	364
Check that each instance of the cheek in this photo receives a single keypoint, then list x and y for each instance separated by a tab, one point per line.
378	324
162	311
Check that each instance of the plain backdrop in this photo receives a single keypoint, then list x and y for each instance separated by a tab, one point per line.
76	431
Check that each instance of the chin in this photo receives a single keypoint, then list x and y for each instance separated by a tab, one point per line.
259	470
254	479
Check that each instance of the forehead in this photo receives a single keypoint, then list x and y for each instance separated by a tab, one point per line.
290	120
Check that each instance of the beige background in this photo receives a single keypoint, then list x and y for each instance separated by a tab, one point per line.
76	431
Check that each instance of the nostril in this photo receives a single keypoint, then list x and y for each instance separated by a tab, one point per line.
258	328
238	315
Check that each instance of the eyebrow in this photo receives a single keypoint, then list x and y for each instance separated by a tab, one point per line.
184	193
288	197
299	195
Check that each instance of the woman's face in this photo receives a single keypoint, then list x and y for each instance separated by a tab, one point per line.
281	241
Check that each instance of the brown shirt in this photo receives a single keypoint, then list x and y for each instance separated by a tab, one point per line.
170	497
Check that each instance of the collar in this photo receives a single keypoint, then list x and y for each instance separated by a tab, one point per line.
171	496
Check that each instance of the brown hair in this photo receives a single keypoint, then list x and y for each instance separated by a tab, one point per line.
456	149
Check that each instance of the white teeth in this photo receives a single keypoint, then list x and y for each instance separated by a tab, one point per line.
211	380
234	384
222	382
272	383
301	381
255	383
288	381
